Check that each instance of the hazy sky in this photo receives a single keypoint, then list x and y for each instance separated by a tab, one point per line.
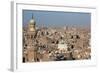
53	18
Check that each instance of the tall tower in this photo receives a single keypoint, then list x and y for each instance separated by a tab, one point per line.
30	48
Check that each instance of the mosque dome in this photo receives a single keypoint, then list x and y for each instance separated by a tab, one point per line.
32	24
32	21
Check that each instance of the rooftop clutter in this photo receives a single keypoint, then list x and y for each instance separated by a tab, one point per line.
55	44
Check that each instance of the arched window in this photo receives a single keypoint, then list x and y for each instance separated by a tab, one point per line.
72	46
23	59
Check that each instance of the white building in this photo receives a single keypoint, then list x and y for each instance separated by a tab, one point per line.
62	46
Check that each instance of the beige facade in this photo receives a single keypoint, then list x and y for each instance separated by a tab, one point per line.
30	54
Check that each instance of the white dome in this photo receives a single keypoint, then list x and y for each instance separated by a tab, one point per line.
32	21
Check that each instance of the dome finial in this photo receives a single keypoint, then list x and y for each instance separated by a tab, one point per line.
32	16
32	21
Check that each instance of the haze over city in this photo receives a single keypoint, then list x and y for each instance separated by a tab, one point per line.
54	18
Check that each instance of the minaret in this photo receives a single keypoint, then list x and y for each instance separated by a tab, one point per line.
31	48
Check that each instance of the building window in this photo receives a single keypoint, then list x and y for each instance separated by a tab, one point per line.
72	46
23	59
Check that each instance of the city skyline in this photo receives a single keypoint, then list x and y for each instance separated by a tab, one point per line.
54	18
51	44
